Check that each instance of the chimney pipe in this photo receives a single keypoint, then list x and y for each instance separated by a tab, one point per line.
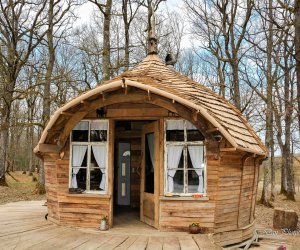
170	60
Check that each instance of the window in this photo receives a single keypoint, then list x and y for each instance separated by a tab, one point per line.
88	164
185	158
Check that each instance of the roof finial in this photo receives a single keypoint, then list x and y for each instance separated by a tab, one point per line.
152	41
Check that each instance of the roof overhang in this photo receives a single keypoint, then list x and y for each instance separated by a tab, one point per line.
123	83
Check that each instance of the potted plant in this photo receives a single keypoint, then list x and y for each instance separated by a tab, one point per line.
103	223
194	228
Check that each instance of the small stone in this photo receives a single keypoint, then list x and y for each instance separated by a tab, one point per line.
285	219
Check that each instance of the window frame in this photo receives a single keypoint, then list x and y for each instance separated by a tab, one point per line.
185	169
89	145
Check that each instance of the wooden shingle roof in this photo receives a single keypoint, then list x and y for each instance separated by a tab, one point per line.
153	72
153	75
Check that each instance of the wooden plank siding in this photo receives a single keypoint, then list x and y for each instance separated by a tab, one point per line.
51	188
228	193
231	183
248	178
227	208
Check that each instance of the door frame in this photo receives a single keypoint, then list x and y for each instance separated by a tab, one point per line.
152	127
158	174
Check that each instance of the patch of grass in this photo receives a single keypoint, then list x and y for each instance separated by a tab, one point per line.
19	187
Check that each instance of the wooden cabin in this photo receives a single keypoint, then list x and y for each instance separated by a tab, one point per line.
154	141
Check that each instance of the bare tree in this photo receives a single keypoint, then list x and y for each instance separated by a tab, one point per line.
21	32
58	17
105	9
269	113
222	25
129	10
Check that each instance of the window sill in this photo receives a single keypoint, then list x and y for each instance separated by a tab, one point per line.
90	195
182	198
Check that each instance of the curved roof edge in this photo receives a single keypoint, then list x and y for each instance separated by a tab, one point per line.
126	82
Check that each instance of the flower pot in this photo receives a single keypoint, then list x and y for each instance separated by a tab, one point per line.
103	225
194	229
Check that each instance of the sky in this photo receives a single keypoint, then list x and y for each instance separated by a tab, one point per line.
85	11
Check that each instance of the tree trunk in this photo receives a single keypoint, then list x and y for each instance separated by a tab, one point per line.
288	97
47	84
297	52
5	130
126	31
50	65
269	111
236	84
221	79
106	42
30	139
264	199
272	166
126	58
283	188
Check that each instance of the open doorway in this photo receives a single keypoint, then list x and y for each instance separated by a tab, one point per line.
127	173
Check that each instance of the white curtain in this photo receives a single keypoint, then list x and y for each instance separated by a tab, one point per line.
174	155
100	156
175	124
196	154
99	125
82	126
150	139
78	153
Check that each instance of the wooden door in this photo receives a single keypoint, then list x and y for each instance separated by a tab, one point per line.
150	175
123	173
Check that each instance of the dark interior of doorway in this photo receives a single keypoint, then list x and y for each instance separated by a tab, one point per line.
127	132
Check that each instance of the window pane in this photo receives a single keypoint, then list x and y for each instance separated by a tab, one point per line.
98	130
175	135
195	156
95	179
79	155
174	156
81	131
98	167
78	178
98	135
175	125
175	130
194	135
177	180
193	181
149	163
